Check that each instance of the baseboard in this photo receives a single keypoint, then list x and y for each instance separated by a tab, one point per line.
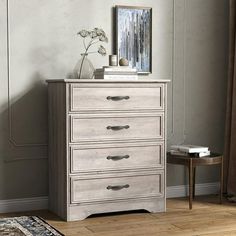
200	189
23	204
39	203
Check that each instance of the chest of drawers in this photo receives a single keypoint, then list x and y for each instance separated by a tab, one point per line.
107	145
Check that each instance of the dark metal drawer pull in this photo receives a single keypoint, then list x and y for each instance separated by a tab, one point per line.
117	98
117	187
118	127
117	158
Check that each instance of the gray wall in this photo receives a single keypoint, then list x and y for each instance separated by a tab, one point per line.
198	89
38	41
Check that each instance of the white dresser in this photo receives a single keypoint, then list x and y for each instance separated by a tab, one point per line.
107	145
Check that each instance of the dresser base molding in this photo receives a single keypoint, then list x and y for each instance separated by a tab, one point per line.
81	212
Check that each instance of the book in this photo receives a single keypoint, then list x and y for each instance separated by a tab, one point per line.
204	154
117	68
178	153
189	148
196	154
116	77
115	73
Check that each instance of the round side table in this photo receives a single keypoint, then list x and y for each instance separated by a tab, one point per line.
192	163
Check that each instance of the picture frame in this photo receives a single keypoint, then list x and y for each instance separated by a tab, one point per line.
134	36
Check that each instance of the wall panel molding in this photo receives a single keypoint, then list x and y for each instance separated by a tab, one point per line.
178	74
173	69
12	149
184	73
11	138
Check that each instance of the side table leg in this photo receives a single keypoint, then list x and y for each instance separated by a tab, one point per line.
221	179
190	169
194	177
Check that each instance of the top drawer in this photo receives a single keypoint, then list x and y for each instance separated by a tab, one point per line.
116	98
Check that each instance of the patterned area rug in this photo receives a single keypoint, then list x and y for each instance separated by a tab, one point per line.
26	226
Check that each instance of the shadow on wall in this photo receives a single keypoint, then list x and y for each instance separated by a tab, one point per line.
23	143
54	60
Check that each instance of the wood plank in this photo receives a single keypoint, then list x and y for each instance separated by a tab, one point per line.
207	218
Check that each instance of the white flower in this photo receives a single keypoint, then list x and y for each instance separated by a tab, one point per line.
103	38
96	35
83	33
93	34
102	50
99	31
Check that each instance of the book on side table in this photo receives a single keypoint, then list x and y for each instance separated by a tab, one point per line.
190	150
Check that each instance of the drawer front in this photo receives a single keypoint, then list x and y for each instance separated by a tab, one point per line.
110	98
116	128
116	158
91	190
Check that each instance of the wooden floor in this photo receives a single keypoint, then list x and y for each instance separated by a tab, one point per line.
206	218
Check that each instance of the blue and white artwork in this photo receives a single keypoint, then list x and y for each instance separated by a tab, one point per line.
133	34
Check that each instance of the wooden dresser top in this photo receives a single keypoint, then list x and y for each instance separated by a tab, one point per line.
105	81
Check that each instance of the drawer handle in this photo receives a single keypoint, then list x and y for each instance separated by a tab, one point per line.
117	98
117	158
118	127
117	187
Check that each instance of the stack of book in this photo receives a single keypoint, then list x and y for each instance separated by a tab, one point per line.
116	72
189	150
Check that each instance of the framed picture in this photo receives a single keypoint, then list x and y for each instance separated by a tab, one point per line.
134	36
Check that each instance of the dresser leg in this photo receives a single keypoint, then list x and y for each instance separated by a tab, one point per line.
190	169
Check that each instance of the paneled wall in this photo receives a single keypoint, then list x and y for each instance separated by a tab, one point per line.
38	41
199	81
